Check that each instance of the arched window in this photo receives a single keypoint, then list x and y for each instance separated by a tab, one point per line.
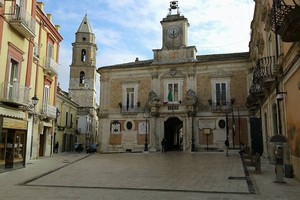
83	55
81	77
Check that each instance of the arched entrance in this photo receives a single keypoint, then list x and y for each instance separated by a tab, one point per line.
173	134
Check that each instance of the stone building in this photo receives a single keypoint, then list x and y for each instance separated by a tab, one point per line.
193	101
66	132
274	91
82	84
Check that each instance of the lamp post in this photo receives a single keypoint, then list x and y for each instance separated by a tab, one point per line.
279	98
146	114
191	114
34	101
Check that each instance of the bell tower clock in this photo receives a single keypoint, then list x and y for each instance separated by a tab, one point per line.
82	84
175	28
174	39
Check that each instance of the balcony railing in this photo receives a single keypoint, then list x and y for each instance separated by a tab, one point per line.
285	20
265	71
129	109
220	107
51	66
48	111
22	21
14	93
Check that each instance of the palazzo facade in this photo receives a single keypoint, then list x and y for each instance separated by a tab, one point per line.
193	101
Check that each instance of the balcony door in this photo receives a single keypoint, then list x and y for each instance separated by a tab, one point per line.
13	80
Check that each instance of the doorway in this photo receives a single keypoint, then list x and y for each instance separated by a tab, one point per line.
173	134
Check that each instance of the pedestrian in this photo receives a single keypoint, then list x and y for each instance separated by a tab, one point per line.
56	147
227	146
163	145
242	149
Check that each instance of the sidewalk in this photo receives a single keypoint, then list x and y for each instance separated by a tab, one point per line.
174	175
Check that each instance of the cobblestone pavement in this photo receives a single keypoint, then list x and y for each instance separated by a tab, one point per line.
173	175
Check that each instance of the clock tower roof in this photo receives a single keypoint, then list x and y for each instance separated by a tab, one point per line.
85	26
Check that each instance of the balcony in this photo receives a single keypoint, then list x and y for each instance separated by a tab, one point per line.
51	67
220	107
285	20
265	71
22	21
129	110
48	111
15	94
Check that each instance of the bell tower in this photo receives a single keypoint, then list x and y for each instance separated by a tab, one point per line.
82	85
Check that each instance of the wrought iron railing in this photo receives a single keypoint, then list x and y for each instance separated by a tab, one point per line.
278	12
221	107
265	67
129	109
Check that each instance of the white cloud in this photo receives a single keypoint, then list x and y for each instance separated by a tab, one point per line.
128	29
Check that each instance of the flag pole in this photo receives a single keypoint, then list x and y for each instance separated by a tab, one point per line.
233	129
239	121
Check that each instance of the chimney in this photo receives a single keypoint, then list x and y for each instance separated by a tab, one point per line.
49	16
41	5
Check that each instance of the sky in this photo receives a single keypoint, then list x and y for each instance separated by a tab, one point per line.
127	29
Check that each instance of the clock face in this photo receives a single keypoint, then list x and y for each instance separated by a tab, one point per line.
173	32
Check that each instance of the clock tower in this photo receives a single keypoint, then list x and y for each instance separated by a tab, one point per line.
174	38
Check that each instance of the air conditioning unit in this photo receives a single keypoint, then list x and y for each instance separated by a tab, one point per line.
1	3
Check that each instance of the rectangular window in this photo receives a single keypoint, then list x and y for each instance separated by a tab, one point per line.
50	51
71	118
173	91
13	86
221	97
129	98
67	116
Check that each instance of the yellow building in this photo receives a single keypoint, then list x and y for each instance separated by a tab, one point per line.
29	47
274	89
66	132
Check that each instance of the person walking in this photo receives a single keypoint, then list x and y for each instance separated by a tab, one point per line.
56	147
163	145
227	146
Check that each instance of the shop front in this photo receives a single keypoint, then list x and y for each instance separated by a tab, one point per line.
13	134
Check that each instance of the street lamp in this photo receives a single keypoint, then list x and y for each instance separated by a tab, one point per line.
146	114
34	101
279	98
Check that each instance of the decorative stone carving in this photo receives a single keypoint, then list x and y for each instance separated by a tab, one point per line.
191	98
153	99
103	114
154	75
174	73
